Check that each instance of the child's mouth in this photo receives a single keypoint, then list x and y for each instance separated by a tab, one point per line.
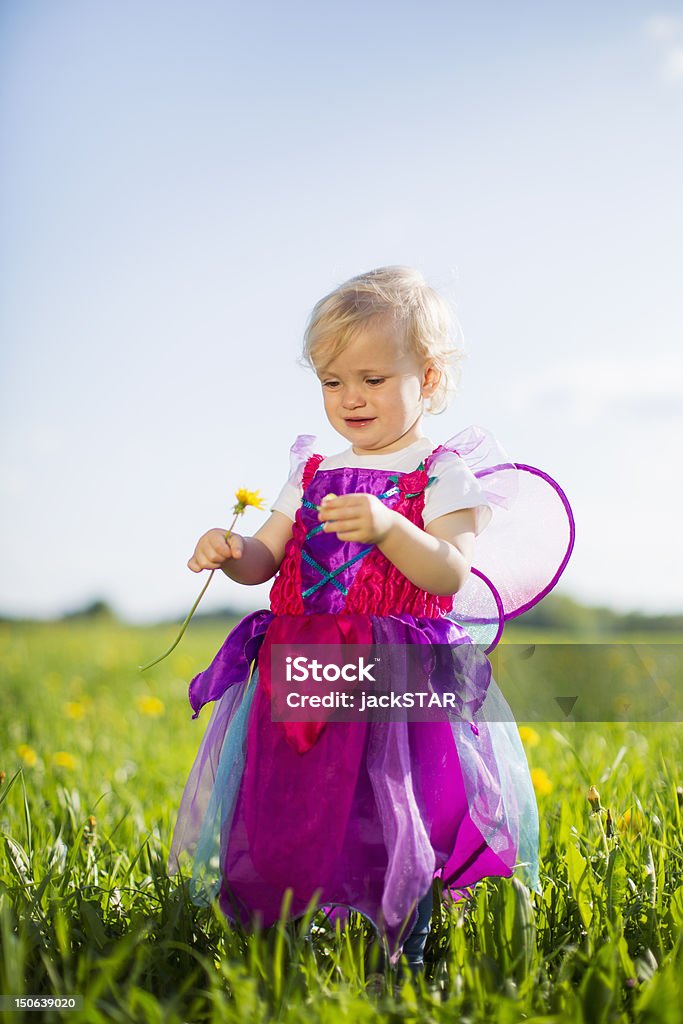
360	422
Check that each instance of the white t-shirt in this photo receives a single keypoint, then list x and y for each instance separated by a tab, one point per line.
455	486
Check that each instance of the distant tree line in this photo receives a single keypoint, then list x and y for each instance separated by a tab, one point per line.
556	612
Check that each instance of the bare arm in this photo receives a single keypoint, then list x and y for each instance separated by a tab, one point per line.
248	560
436	559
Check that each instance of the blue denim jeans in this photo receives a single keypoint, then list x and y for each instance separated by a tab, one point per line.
414	946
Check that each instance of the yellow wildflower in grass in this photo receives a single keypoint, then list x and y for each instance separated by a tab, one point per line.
245	498
148	705
528	736
541	781
27	754
90	830
630	821
62	759
74	709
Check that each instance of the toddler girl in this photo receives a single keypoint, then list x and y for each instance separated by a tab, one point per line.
374	545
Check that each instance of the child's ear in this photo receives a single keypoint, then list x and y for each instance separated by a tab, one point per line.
430	380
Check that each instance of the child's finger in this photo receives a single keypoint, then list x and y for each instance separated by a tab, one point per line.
352	533
235	545
220	551
329	512
343	525
200	562
335	501
330	518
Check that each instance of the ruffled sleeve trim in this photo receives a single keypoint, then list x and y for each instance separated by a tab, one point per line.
289	498
488	461
299	454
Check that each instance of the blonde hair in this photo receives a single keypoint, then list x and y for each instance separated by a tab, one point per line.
426	320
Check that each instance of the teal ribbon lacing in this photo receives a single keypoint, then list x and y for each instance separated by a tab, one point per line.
330	577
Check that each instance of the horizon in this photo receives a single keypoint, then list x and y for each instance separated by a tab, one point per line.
102	607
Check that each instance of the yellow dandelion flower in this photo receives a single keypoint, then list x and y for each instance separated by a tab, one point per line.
541	781
27	754
247	498
62	759
528	736
148	705
630	821
74	709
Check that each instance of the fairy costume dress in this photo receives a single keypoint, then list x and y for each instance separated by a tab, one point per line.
366	813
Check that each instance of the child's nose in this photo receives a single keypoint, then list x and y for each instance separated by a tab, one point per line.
352	398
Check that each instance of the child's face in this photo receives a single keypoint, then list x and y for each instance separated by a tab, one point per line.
373	390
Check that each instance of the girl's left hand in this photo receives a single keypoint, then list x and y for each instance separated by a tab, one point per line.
356	517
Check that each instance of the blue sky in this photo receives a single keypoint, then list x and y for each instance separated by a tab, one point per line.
181	183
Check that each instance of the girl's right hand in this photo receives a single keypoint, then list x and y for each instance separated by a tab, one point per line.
213	550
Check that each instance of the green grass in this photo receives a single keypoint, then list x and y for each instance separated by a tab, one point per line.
91	788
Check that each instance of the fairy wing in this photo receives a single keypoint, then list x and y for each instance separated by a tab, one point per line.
521	554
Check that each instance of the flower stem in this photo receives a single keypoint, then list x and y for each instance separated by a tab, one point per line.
602	833
143	668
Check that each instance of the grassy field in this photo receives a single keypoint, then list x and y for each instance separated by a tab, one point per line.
93	758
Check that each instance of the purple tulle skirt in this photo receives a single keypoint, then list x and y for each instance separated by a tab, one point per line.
371	813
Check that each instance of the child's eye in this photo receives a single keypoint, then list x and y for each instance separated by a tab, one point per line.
330	383
375	380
